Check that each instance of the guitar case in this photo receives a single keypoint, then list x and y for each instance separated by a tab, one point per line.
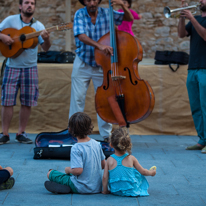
57	145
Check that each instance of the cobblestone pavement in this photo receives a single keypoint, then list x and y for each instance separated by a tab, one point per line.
180	178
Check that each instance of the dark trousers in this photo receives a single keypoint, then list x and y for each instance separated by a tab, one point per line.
4	176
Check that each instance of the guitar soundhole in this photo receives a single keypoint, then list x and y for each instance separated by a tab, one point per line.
22	37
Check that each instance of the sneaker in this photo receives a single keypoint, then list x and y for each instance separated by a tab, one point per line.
203	150
22	138
57	188
8	184
4	138
194	147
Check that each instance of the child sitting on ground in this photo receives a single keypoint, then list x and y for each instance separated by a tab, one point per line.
87	161
122	171
6	181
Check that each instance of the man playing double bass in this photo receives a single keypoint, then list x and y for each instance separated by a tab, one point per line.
196	79
21	72
90	24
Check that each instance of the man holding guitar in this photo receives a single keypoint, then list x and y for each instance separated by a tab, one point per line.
21	72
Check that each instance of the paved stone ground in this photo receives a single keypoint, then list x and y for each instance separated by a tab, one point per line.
180	178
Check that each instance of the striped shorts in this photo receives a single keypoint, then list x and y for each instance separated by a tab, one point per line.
24	78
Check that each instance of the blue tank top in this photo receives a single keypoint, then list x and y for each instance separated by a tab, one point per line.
126	181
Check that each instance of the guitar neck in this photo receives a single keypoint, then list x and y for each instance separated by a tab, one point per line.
37	33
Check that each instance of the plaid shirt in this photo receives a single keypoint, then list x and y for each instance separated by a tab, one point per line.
83	25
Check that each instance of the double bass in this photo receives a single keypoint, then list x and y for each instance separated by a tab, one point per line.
123	98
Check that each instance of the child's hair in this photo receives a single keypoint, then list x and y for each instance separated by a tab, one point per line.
129	2
80	125
120	140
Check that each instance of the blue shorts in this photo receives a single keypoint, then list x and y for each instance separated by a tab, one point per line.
4	175
25	79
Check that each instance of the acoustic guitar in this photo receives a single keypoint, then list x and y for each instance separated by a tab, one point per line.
25	38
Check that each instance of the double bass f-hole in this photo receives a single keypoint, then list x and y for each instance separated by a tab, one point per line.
108	76
130	77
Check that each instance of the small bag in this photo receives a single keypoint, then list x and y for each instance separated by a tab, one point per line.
171	58
56	57
66	57
57	145
48	57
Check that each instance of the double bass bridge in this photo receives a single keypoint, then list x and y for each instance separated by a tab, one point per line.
118	77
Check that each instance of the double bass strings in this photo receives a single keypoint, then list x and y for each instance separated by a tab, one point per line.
114	59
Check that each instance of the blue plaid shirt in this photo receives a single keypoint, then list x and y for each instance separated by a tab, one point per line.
83	25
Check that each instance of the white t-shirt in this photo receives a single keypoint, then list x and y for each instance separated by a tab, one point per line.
87	155
28	58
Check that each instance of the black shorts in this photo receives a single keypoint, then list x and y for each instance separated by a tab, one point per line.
4	176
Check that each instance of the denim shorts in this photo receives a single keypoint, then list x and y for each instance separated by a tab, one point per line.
63	179
25	79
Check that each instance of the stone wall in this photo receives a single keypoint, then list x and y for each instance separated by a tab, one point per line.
154	31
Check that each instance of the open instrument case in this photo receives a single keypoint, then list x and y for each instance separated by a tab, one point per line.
57	145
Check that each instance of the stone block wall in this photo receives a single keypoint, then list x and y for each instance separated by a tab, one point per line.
154	31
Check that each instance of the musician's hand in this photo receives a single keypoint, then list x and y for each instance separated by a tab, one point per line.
45	35
68	170
187	14
6	39
117	2
106	49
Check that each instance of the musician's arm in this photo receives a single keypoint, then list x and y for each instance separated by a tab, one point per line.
46	45
106	49
45	36
127	14
182	32
6	39
85	39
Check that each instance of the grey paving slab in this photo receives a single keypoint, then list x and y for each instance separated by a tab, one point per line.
180	178
172	200
102	200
